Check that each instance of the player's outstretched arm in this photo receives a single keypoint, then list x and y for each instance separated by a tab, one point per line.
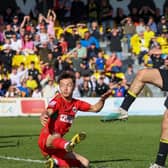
99	105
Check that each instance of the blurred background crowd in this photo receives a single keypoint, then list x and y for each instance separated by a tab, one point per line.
104	50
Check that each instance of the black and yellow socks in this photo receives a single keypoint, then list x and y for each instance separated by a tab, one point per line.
128	100
162	153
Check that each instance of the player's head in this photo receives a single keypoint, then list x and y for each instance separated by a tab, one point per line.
66	82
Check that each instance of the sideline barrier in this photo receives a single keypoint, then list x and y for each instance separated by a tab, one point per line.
34	107
22	106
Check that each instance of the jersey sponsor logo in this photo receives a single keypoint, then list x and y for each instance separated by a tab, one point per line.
52	103
66	118
74	109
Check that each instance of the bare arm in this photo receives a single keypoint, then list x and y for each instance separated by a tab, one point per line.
99	105
45	116
45	19
151	10
54	15
48	14
23	22
68	27
155	51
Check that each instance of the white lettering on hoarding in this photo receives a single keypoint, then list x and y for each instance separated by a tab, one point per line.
30	5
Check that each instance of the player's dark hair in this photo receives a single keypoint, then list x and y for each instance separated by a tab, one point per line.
67	75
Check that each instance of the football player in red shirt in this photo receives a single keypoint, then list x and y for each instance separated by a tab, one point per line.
57	120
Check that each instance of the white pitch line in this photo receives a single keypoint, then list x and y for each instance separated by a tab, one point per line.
21	159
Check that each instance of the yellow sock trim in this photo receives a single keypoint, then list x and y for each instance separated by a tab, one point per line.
164	141
131	93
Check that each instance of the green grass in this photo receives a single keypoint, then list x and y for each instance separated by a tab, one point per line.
130	144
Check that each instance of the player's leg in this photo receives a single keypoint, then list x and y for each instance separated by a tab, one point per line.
152	76
66	159
61	155
76	160
57	142
163	147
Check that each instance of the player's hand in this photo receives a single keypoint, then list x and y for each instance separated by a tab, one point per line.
106	95
44	119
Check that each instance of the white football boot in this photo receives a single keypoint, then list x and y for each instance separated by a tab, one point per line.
156	166
123	114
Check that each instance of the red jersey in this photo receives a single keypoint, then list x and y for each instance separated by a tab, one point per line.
64	113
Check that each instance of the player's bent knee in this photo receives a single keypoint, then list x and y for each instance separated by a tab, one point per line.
165	122
50	139
49	143
141	73
86	163
166	104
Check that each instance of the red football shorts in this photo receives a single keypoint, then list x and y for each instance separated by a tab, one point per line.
58	154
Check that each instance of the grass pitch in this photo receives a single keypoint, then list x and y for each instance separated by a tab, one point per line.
130	144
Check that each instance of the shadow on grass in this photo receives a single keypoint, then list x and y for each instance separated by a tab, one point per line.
18	136
1	142
112	160
6	146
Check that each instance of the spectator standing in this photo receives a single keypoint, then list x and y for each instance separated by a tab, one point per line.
24	90
101	87
16	44
92	52
113	63
12	91
15	77
31	84
77	7
129	29
85	89
152	24
62	65
146	11
50	20
27	23
129	74
36	93
72	37
134	15
43	51
119	16
49	90
8	15
95	30
88	40
162	26
48	71
2	91
33	71
92	10
100	62
8	32
106	15
6	82
27	45
140	28
119	90
15	24
115	43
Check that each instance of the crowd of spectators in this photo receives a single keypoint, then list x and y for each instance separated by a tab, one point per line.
34	51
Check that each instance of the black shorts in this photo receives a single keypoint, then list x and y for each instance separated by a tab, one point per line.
164	75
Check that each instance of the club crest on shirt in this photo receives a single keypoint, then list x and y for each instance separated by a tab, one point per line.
74	109
52	103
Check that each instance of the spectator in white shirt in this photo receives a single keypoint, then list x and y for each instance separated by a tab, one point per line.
16	44
15	77
49	89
